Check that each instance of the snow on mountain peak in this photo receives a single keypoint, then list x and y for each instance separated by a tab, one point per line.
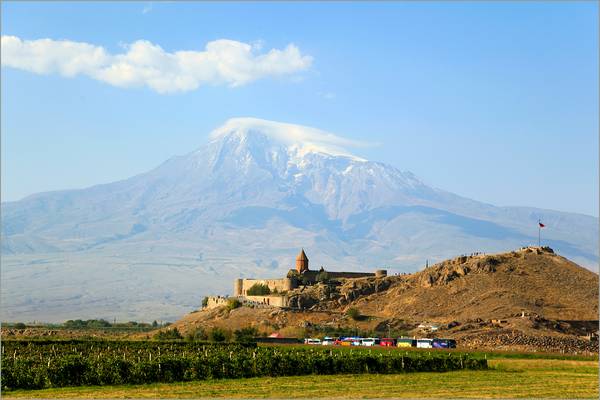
296	138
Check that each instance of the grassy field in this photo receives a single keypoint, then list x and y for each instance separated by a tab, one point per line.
506	378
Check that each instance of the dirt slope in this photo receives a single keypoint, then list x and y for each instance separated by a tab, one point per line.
559	300
488	286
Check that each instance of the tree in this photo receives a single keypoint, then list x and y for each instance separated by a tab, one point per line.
217	335
204	301
322	277
293	274
155	324
197	335
20	325
259	289
245	335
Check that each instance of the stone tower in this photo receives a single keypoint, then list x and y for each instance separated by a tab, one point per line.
302	262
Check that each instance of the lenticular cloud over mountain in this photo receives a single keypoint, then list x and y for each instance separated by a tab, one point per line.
241	205
306	139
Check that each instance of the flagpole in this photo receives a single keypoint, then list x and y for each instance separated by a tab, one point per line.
539	233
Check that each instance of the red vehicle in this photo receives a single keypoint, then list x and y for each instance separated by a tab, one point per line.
388	342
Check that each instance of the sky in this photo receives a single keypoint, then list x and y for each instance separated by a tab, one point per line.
497	102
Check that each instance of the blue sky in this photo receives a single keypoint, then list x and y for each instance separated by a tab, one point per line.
494	101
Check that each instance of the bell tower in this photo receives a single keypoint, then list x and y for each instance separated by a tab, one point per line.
302	262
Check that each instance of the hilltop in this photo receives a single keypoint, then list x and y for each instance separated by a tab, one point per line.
531	298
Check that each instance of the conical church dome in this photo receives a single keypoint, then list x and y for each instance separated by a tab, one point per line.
302	256
302	262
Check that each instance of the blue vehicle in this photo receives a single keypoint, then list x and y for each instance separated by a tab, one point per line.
443	343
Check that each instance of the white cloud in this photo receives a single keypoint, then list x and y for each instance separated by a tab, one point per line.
147	8
143	63
305	138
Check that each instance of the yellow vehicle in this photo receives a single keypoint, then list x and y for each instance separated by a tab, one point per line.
406	342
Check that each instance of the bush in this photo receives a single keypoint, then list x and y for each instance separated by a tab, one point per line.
258	289
217	335
204	301
354	313
245	335
197	335
169	334
20	325
233	303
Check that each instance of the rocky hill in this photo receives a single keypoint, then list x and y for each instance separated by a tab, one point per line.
531	280
528	299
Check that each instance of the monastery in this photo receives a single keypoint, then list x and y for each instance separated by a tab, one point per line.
279	288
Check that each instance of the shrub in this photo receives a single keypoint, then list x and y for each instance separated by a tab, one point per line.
245	335
197	335
259	289
169	334
217	335
354	313
233	303
20	325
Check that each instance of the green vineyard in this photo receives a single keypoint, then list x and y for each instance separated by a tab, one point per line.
39	364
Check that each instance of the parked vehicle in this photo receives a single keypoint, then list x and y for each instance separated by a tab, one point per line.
424	343
346	341
312	341
444	343
406	342
388	342
328	341
370	342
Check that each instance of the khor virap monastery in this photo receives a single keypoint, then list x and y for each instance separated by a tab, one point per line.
278	289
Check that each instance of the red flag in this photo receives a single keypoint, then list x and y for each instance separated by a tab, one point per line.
541	225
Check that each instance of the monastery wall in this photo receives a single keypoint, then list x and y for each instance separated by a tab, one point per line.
241	286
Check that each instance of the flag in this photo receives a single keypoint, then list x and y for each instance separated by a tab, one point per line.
541	225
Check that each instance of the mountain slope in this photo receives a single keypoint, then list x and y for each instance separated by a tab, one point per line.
241	205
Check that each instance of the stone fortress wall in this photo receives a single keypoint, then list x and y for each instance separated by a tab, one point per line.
216	301
241	286
280	287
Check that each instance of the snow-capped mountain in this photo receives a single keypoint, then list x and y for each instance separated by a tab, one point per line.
152	245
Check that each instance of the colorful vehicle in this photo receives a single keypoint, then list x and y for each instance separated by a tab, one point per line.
387	342
444	343
424	343
406	342
369	342
345	341
328	341
312	341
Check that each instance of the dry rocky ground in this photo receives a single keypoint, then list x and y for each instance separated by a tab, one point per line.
526	300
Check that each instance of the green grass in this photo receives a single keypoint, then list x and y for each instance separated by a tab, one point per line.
507	377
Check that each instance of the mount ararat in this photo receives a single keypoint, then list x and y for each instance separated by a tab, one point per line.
151	246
